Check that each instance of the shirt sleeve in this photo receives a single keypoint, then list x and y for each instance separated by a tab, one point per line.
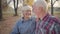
57	28
15	29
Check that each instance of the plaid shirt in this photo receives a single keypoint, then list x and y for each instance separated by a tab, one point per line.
48	25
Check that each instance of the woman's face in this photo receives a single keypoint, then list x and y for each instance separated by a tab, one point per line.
27	13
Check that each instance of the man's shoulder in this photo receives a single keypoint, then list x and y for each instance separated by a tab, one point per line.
54	19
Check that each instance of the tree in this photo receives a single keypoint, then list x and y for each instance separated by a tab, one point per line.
0	11
15	6
52	3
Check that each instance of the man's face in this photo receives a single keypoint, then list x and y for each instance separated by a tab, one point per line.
27	13
37	10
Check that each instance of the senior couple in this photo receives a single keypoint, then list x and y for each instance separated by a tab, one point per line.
42	23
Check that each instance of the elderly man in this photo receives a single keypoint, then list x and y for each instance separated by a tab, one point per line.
26	25
45	23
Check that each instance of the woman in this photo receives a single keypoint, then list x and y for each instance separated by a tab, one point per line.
26	25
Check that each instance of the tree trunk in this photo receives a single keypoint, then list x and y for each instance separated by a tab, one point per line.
15	7
0	11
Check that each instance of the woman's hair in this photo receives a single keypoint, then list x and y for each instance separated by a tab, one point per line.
27	7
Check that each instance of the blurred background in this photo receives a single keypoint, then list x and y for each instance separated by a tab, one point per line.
10	12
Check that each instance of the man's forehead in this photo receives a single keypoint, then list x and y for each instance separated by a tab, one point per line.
34	7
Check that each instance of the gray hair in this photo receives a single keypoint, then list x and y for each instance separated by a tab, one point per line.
27	7
42	3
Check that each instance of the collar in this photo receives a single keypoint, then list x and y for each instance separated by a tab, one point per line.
26	20
46	17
